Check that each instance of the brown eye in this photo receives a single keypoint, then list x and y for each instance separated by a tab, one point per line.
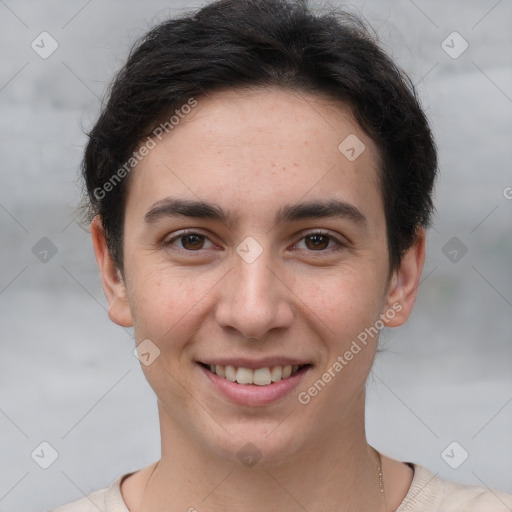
192	242
317	241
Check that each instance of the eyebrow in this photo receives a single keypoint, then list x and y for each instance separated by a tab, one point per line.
172	207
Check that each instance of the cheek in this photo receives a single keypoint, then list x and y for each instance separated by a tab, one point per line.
168	309
167	304
343	309
346	299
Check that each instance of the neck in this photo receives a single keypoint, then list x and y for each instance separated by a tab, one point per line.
336	471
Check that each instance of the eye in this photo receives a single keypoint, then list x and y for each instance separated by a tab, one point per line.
319	241
188	241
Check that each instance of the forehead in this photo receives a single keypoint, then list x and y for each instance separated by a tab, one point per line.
259	148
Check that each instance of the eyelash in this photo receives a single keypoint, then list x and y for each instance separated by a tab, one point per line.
340	244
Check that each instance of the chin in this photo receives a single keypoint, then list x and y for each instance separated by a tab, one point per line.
265	444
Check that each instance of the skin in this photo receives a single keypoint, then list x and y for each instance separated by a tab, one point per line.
251	153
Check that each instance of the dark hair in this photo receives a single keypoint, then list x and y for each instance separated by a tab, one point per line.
232	44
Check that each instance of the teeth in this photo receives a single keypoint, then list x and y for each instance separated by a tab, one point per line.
287	371
276	373
259	377
230	373
244	376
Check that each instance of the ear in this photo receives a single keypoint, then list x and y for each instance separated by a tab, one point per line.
404	283
113	284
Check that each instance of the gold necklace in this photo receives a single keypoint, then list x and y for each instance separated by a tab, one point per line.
381	478
379	473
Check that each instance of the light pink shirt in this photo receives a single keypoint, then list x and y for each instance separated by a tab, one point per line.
428	493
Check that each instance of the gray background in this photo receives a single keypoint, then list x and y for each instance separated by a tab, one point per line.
68	375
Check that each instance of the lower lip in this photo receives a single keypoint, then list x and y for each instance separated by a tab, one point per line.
252	394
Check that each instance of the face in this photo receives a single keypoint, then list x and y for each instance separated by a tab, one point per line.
254	246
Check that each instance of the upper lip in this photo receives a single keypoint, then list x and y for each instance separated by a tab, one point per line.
254	364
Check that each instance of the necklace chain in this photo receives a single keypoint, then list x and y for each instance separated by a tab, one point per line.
379	472
381	479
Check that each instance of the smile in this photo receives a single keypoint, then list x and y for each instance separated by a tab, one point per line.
258	376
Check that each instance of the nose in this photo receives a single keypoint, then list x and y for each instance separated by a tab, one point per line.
255	298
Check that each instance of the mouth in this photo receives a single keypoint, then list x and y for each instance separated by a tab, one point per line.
263	376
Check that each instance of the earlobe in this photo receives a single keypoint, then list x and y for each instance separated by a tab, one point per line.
113	284
404	283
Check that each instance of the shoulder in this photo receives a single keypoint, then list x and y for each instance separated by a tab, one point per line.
103	500
430	493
